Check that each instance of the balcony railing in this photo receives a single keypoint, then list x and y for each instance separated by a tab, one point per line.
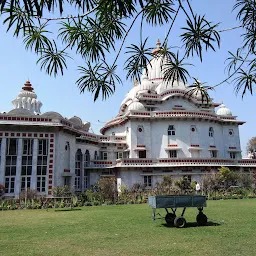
165	162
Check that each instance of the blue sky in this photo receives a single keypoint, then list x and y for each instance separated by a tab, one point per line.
60	94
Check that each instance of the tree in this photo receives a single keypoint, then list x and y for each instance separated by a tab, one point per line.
251	147
227	177
94	28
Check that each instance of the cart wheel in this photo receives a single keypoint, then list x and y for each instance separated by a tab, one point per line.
201	219
169	218
179	222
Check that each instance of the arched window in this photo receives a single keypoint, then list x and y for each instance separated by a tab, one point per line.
95	155
87	158
171	130
86	164
78	170
211	132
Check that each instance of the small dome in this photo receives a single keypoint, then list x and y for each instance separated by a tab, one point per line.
136	105
146	86
26	94
223	111
52	114
77	121
20	112
166	86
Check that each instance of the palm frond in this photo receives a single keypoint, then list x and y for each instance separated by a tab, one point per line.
53	60
198	90
100	78
245	80
36	39
138	60
199	33
158	12
173	69
234	59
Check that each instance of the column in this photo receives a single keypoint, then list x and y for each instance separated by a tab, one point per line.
34	165
2	163
18	169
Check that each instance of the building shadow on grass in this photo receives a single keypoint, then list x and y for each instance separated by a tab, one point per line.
68	210
193	225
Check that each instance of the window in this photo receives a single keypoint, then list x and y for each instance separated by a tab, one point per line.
230	132
86	164
42	147
171	130
26	164
10	165
42	162
95	155
9	184
148	181
232	155
87	158
104	155
86	179
173	153
119	155
211	132
193	128
142	154
12	146
78	166
213	153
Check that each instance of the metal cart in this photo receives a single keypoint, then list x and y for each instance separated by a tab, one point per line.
175	202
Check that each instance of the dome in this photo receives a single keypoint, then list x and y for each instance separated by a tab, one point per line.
154	69
77	121
136	105
146	86
27	94
165	86
27	99
223	111
52	114
20	112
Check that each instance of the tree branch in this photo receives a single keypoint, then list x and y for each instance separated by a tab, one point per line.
165	40
233	72
128	31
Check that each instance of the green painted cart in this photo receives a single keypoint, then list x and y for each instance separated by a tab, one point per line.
175	202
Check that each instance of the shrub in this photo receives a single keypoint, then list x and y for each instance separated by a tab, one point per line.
107	188
61	191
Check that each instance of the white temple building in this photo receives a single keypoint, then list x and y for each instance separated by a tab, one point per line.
159	130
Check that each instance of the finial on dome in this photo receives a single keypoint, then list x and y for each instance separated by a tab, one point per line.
158	46
28	86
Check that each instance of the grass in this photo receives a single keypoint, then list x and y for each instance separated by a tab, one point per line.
129	230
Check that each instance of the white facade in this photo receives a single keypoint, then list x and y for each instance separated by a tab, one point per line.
159	130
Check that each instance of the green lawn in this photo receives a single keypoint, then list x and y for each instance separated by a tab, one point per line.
129	230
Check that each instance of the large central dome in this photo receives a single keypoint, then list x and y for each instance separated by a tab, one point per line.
152	81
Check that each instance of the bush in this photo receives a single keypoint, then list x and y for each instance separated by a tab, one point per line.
61	191
107	189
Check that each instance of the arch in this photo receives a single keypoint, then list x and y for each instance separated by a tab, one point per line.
87	158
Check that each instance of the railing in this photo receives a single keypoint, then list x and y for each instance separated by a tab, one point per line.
133	162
